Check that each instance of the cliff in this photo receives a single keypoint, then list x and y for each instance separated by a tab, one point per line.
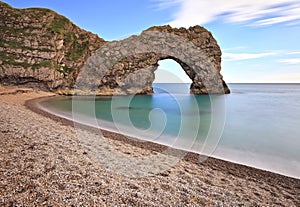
40	48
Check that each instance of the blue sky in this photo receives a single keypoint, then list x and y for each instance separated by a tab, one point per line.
258	38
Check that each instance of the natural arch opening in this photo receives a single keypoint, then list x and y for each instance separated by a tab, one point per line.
170	77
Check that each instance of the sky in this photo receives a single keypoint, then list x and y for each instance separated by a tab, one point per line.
258	38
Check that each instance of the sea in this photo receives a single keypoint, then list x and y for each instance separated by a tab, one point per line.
256	125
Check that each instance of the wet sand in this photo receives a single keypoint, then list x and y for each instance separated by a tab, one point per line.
44	162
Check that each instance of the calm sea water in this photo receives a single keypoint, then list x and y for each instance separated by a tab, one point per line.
257	124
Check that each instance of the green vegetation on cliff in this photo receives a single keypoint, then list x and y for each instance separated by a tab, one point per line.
59	24
35	38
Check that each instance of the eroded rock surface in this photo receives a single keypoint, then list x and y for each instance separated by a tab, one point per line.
127	66
40	48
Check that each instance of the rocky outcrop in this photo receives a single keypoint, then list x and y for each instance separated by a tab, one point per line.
41	48
127	66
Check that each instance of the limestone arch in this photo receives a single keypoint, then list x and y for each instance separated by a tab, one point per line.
127	66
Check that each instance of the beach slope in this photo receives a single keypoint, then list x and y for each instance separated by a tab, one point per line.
43	163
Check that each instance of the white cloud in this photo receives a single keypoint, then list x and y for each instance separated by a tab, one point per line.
291	14
293	53
283	56
246	56
164	4
290	61
256	12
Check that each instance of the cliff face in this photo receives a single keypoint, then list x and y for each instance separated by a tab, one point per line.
41	48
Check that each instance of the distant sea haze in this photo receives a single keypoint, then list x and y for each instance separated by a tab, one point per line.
260	128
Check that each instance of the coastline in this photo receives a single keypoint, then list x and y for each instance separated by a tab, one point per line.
213	182
193	157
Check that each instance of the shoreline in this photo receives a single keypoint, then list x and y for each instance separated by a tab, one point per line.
153	146
253	186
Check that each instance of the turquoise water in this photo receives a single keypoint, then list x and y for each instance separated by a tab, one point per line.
255	125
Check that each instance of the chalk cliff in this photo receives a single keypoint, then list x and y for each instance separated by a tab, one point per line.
40	48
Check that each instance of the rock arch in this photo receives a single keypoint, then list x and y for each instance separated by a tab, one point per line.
127	66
